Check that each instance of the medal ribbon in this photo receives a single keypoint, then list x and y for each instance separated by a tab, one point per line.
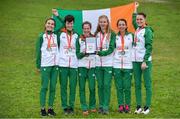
69	39
136	32
122	48
122	42
49	40
102	39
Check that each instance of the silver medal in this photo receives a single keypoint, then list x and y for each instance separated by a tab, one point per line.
123	52
49	49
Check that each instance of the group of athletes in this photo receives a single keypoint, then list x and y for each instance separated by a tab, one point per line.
118	55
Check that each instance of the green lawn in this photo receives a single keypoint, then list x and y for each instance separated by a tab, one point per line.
22	20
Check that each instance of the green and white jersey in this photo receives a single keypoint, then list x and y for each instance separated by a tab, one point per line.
142	48
47	50
123	52
67	52
84	61
105	48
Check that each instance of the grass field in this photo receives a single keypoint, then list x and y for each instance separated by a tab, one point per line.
22	20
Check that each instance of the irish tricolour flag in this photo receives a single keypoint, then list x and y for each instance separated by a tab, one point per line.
113	14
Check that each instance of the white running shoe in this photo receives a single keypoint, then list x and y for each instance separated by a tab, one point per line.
146	110
138	110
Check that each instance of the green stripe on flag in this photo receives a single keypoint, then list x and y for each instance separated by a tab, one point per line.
78	19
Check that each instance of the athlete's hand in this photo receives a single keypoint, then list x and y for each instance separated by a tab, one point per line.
98	52
55	12
86	55
144	66
136	6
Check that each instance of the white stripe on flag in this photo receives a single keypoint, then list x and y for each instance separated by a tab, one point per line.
93	15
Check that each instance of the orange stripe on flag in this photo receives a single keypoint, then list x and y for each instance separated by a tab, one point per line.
124	12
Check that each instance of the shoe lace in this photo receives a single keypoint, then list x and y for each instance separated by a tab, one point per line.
145	108
51	111
138	107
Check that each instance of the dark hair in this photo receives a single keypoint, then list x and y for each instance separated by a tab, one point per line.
86	22
143	14
69	18
124	20
48	20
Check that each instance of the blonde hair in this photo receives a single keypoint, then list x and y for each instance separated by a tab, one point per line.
98	29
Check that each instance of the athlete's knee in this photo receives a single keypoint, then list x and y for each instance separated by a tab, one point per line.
44	89
127	90
148	87
91	90
138	86
52	89
107	86
82	89
100	85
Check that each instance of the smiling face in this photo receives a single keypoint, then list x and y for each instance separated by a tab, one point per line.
49	25
140	20
69	25
86	29
69	22
103	23
122	26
